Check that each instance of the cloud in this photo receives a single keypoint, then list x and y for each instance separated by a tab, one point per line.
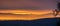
42	4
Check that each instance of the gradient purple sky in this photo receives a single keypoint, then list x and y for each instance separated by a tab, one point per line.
28	4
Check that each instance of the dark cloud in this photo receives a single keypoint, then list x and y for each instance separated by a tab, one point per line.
28	4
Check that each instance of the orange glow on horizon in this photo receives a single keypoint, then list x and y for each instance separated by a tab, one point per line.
36	14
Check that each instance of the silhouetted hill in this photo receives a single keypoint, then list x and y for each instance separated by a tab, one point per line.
38	22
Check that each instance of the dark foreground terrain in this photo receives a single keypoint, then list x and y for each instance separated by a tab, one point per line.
39	22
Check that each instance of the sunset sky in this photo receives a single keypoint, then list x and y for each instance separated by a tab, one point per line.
28	4
36	7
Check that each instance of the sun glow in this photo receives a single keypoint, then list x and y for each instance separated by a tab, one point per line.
32	14
37	12
21	13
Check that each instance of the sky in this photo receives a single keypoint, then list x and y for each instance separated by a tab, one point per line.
39	9
28	4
